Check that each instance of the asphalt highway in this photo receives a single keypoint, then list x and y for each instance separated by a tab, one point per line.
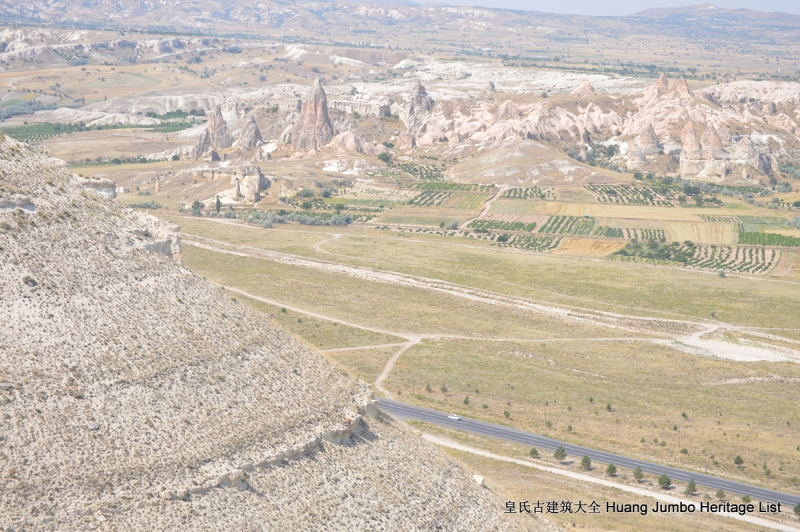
406	411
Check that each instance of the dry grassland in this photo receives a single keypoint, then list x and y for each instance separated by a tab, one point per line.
377	305
521	483
561	280
702	232
318	333
648	386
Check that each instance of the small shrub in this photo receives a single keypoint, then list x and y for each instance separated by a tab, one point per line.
691	488
560	453
533	452
664	481
611	470
586	463
638	474
720	494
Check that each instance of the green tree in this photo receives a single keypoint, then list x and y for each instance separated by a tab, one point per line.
586	463
533	452
560	453
738	460
218	205
506	413
466	400
638	474
691	488
608	407
797	509
664	481
611	470
384	157
746	499
444	388
428	388
720	494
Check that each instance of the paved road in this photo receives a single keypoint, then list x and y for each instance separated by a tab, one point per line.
406	411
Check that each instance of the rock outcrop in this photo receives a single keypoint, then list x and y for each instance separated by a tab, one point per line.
218	131
415	113
138	396
585	89
351	142
703	158
313	128
202	145
250	137
648	141
711	145
508	110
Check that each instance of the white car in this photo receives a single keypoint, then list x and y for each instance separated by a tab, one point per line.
454	417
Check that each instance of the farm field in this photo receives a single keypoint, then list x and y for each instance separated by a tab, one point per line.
557	280
597	210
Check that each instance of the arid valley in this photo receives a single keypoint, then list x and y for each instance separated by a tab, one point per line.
330	266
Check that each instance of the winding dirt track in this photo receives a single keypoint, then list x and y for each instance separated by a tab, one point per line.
695	342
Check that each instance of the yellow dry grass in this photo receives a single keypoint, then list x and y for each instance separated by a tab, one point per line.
701	232
601	210
585	247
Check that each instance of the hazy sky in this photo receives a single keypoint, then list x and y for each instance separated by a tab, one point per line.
626	7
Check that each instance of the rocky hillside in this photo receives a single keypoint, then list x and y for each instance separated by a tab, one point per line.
135	395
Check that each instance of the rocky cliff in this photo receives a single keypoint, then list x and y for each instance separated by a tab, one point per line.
135	395
313	128
250	136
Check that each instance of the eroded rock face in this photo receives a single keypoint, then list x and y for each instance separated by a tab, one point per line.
586	89
218	131
351	142
148	399
250	137
416	111
711	145
508	110
202	145
648	141
691	156
313	128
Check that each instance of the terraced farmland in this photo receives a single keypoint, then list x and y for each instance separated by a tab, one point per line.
734	258
532	243
491	225
629	195
430	198
425	172
472	202
715	218
609	232
568	225
768	239
726	258
542	193
631	233
449	185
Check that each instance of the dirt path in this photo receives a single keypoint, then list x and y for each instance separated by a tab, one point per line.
486	206
693	342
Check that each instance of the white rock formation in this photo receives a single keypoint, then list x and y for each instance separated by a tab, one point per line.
145	398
